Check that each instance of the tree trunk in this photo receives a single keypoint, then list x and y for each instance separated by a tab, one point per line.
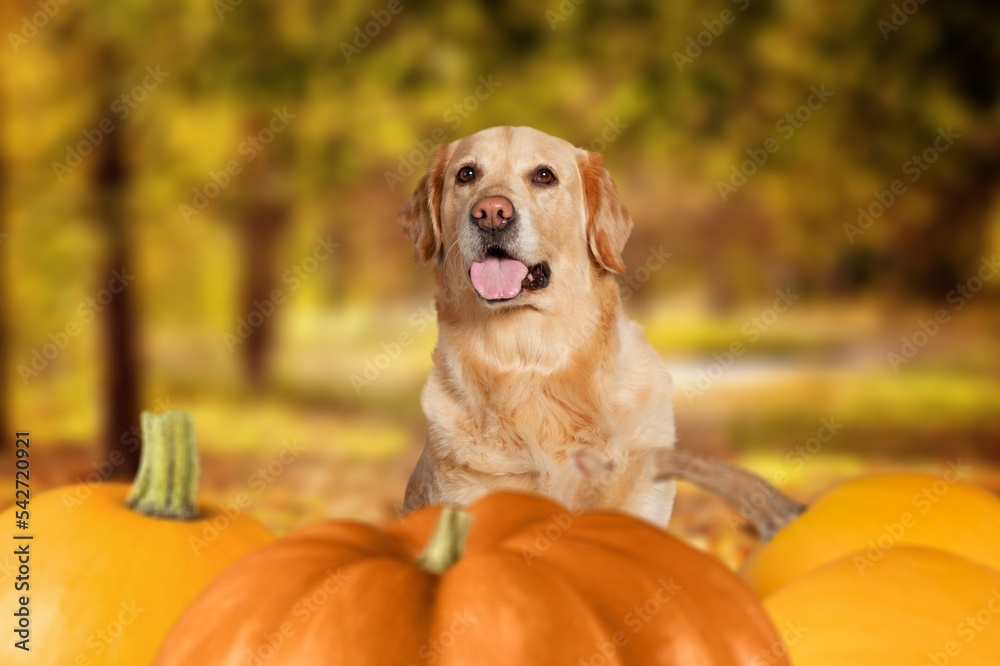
111	181
261	233
265	218
931	261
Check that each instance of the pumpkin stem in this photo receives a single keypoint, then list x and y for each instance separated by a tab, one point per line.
447	544
167	483
759	501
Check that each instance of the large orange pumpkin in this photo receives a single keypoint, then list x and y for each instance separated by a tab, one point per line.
527	583
107	581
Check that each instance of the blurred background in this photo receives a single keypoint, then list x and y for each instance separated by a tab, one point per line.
198	199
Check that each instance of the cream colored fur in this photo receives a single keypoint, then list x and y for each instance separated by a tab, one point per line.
556	392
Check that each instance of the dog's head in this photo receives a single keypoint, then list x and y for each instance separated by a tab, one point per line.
515	217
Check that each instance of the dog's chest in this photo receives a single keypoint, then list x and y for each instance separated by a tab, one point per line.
546	417
509	418
516	425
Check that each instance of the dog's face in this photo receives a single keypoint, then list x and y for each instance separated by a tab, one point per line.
515	217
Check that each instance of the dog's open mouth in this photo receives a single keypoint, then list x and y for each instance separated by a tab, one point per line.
499	277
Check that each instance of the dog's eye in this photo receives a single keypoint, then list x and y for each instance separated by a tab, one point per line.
543	176
466	174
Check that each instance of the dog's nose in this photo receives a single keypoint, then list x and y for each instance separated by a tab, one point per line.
493	213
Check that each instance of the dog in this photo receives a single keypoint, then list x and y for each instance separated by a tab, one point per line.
540	383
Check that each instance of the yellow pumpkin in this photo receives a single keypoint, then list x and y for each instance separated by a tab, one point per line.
109	568
869	516
917	606
865	518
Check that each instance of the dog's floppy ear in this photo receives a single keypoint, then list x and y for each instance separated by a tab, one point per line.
608	223
420	216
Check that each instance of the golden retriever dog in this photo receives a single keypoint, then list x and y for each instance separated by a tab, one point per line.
540	383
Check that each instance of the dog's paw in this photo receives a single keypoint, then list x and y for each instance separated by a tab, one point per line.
583	480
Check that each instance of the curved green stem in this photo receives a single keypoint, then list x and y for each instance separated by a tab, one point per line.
447	544
167	483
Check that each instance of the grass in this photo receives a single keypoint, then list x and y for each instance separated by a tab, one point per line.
831	363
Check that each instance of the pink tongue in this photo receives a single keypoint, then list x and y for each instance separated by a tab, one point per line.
496	278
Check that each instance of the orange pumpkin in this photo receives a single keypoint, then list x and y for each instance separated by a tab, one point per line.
108	581
528	583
